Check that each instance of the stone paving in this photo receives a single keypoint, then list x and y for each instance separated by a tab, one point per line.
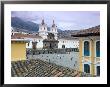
39	68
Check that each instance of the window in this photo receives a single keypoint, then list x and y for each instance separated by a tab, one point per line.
44	28
50	45
86	48
50	37
63	46
12	34
98	70
86	68
45	44
28	44
98	49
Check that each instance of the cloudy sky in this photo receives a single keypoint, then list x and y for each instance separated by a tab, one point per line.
65	20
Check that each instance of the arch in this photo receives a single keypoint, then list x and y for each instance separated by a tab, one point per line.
86	48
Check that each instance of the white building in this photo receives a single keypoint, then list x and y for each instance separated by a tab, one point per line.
68	43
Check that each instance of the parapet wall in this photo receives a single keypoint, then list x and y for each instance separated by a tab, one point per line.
67	59
52	51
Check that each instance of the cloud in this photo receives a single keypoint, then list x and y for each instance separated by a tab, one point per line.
66	25
63	19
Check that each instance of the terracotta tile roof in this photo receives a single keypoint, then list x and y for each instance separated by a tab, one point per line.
39	68
19	40
21	36
93	31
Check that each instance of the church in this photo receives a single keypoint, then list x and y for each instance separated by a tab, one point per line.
62	42
38	39
43	32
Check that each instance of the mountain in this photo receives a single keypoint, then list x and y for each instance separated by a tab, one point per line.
18	23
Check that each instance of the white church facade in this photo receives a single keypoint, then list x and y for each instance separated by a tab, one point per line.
43	32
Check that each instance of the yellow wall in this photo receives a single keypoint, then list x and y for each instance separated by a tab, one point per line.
18	51
80	55
91	58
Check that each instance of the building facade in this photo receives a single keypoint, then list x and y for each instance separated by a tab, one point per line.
89	50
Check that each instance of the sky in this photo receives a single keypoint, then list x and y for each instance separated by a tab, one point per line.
65	20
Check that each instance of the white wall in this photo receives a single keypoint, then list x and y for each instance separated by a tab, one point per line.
68	43
39	42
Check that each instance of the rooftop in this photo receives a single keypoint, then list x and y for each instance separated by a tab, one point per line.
21	36
39	68
20	40
93	31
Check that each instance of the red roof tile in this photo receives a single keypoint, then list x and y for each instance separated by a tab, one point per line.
21	36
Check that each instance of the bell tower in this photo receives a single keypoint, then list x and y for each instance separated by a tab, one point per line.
43	30
54	29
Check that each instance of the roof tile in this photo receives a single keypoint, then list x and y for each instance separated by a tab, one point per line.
94	31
